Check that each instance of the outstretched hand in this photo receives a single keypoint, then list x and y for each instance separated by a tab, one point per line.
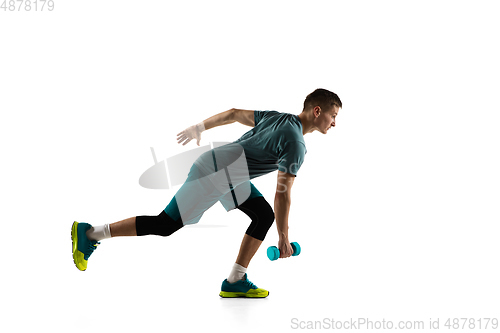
190	133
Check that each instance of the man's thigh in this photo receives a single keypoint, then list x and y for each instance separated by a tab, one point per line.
239	195
194	197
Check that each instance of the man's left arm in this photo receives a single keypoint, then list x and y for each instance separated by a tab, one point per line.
282	202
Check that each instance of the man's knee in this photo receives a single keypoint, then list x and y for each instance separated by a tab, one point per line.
262	215
266	217
161	225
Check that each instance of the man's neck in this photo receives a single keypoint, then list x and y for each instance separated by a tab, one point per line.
306	123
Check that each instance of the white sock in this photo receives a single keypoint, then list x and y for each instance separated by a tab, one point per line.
98	233
237	273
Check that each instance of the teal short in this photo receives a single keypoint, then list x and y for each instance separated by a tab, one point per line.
198	194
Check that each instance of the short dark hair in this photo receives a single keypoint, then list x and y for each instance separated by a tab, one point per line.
323	98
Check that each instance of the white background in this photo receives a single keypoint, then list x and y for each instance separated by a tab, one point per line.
396	209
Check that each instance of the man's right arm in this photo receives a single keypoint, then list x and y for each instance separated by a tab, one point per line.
245	117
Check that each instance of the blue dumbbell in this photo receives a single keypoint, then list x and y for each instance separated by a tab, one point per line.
273	253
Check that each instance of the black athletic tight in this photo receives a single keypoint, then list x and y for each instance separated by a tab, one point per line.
262	215
258	209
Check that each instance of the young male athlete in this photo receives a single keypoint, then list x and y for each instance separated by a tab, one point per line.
276	142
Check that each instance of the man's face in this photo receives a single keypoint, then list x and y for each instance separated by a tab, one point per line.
326	119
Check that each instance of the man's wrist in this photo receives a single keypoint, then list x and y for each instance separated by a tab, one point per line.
283	235
200	126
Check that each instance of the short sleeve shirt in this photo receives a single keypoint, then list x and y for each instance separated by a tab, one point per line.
276	142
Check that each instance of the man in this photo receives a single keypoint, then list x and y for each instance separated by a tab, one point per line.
276	142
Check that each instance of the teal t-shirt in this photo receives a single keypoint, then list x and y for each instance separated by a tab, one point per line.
275	143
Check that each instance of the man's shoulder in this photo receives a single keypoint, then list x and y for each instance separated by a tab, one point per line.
268	113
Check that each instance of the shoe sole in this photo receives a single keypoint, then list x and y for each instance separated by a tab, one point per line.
74	242
228	294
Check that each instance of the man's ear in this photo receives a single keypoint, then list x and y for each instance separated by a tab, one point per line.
316	112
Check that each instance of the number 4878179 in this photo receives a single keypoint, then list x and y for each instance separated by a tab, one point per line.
27	5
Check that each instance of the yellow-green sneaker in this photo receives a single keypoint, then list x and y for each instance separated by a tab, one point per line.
82	246
242	288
